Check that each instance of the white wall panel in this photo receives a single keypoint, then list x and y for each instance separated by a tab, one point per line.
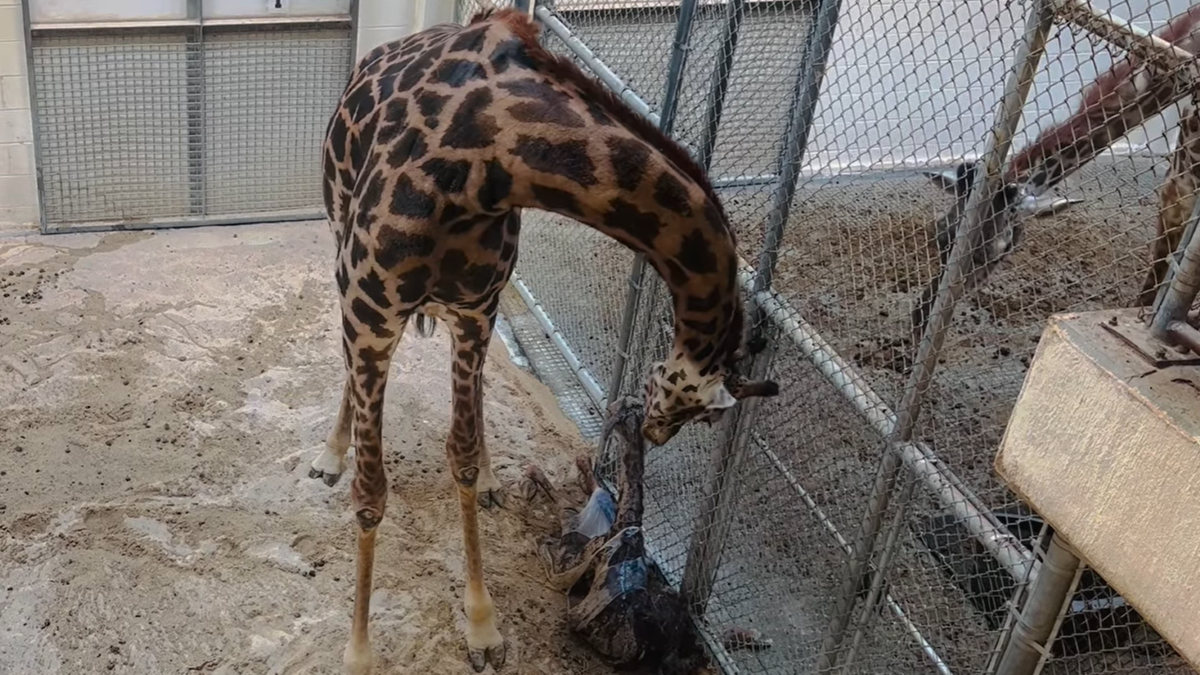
82	11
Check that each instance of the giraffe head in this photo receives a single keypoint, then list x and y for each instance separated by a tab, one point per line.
678	391
1011	205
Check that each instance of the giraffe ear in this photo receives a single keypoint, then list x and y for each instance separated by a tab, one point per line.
1045	205
946	180
956	181
764	388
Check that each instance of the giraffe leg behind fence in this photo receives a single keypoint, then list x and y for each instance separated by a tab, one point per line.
1162	247
468	459
368	357
329	465
1176	199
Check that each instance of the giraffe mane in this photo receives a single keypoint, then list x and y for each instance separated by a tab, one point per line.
561	67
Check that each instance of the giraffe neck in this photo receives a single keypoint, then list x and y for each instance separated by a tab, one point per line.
1118	101
654	209
564	143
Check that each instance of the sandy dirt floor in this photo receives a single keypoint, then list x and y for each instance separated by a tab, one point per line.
161	396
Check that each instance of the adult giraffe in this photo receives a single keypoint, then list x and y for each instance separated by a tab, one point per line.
1119	100
438	141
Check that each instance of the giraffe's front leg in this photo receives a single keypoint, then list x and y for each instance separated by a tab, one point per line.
329	465
467	455
368	360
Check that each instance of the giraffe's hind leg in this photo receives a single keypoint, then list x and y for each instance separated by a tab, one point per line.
467	456
489	491
329	465
1176	205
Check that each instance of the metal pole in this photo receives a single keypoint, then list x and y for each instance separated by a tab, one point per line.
675	69
1183	281
1174	260
1037	29
666	123
354	37
987	183
1018	561
718	500
852	579
915	633
719	497
1031	636
1117	31
804	105
719	83
877	579
1177	255
1019	595
197	169
605	74
1068	601
919	458
581	372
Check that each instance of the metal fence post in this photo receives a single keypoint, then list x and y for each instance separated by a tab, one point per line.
877	579
1034	629
666	123
719	496
1019	595
196	104
804	106
718	499
1038	24
1182	284
719	82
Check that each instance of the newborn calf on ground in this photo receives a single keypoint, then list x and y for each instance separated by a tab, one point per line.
615	601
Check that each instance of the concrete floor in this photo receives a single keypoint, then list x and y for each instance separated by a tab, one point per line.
161	395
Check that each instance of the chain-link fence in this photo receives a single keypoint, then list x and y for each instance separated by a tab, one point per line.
851	531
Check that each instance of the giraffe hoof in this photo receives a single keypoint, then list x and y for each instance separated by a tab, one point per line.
488	498
329	479
327	466
357	659
494	655
489	492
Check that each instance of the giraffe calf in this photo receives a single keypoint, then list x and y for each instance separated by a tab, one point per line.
615	600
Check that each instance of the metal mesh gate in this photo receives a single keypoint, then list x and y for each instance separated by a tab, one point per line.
817	140
184	122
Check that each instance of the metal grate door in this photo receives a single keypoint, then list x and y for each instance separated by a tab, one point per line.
188	120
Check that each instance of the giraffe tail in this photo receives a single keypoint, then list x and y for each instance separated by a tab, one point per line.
425	325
